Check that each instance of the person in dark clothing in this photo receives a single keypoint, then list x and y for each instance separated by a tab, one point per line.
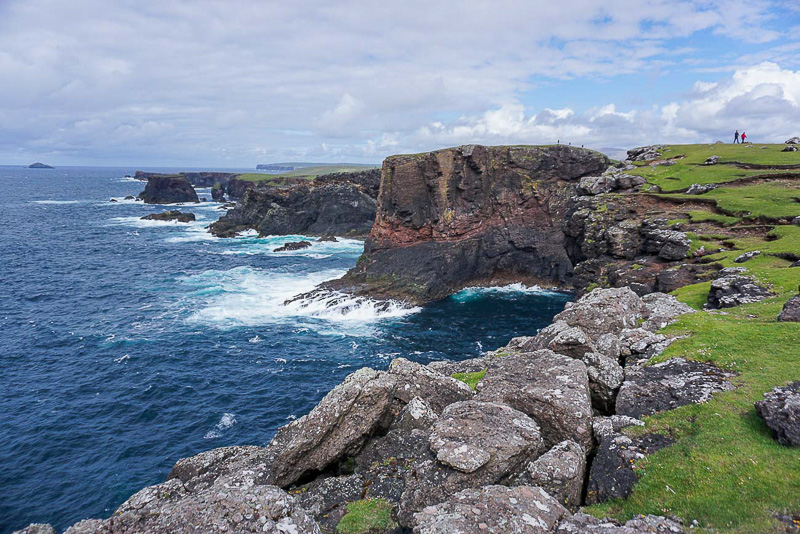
736	137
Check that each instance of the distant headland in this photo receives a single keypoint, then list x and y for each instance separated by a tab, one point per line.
39	165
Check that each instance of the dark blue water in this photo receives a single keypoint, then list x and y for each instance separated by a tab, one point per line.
125	345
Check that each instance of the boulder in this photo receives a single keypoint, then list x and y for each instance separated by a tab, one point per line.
562	338
780	411
493	510
660	310
36	528
415	380
734	290
648	389
793	141
337	427
711	160
699	189
637	344
168	189
644	524
605	377
327	239
747	256
612	474
624	239
670	245
791	310
293	245
560	472
171	215
790	148
646	153
551	388
603	311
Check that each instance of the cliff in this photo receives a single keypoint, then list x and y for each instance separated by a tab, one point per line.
471	215
168	189
336	204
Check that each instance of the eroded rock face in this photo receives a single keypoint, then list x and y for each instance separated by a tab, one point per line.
470	215
780	411
494	510
551	388
168	189
648	524
654	388
735	290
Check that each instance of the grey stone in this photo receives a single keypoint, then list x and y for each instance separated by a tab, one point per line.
791	310
36	528
607	427
711	160
560	472
735	290
603	311
747	256
790	148
661	310
605	377
793	141
780	411
415	380
644	524
326	500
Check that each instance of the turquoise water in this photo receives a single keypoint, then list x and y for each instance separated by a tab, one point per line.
127	344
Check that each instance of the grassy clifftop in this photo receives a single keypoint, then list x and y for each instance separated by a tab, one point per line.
306	172
725	470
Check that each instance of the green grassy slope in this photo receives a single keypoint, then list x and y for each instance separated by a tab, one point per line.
306	172
725	471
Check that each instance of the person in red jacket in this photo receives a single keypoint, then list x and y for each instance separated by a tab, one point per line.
744	137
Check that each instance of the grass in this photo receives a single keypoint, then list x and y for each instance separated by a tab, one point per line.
306	172
701	216
470	379
365	516
690	170
769	200
725	470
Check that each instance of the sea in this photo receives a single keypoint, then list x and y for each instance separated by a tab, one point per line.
127	344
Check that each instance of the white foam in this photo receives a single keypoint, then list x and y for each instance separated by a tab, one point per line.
57	202
226	421
250	244
470	293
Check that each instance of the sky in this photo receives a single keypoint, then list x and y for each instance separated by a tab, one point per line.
235	83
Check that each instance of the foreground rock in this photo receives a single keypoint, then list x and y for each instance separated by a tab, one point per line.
492	509
648	524
791	310
735	290
560	471
168	189
780	411
655	388
172	215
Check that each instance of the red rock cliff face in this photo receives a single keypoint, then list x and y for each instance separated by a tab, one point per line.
470	215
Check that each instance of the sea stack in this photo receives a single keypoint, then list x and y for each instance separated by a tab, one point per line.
168	189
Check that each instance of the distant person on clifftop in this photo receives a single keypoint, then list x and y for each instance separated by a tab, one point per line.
744	137
736	137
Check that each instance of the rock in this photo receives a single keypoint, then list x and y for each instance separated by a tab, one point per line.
608	182
172	215
623	239
640	344
293	245
791	310
39	165
711	160
654	388
113	200
493	510
36	528
699	189
608	427
560	472
325	500
644	524
562	338
415	380
551	388
669	245
471	365
327	239
612	474
793	141
661	310
231	505
646	153
747	256
168	189
790	148
605	377
780	411
337	427
471	435
686	274
470	215
734	290
130	197
796	221
218	192
603	311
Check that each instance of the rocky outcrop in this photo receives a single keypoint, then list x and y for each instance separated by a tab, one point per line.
171	215
648	524
293	245
735	290
168	189
470	215
646	153
340	204
560	472
780	411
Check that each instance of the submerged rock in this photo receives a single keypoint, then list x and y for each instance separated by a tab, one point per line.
293	245
780	411
493	510
168	189
172	215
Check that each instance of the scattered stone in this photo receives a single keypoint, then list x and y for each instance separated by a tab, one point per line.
612	474
791	310
493	510
780	411
415	380
793	141
551	388
728	271
171	215
560	472
293	245
699	189
711	160
654	388
36	528
796	221
747	256
734	290
790	148
327	239
645	524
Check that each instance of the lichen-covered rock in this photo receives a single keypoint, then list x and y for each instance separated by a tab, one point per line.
612	474
609	181
415	380
791	310
337	427
747	256
551	388
669	245
660	310
605	377
560	472
646	524
711	160
36	528
734	290
607	427
493	510
646	153
168	189
654	388
603	311
789	148
780	411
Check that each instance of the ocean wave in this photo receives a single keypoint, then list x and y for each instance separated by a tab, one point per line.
226	421
250	245
510	290
58	202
